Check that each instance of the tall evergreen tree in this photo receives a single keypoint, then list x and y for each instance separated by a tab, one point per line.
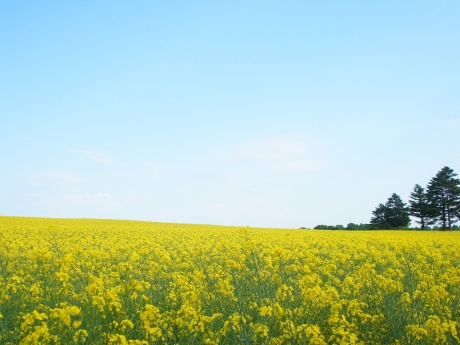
379	220
419	207
393	215
397	212
443	194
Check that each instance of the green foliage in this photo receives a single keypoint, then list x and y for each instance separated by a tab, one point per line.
419	207
443	197
393	215
353	226
350	226
436	207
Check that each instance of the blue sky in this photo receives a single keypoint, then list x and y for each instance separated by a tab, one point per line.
251	113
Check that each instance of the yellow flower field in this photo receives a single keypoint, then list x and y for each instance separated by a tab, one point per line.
65	281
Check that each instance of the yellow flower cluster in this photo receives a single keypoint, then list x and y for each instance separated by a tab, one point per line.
105	282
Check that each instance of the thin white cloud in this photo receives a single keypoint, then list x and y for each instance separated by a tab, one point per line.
104	200
151	171
455	123
55	178
98	157
283	154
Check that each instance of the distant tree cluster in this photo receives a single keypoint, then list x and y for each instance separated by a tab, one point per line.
439	203
350	226
435	207
394	214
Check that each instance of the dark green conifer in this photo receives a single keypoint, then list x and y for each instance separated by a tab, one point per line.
443	195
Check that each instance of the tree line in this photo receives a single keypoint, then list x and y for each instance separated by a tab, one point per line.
437	206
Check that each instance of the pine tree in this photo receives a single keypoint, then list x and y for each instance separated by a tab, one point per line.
393	215
443	194
419	207
397	212
379	219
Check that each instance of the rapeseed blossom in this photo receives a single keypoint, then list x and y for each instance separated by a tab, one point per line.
138	283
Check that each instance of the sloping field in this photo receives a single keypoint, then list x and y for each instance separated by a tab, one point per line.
74	281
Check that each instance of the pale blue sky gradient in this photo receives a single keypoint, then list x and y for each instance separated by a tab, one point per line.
258	113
